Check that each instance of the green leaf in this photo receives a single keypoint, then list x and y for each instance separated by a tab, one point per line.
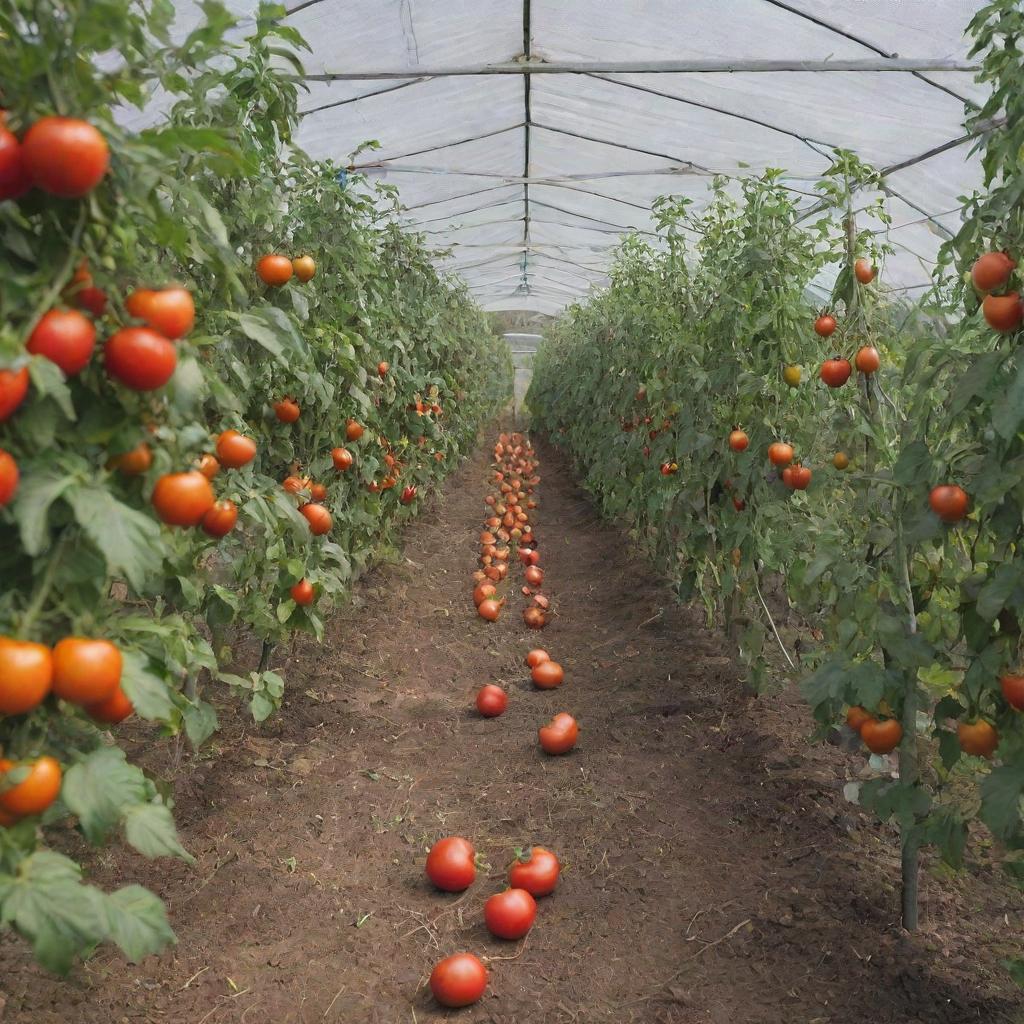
1000	799
129	540
48	905
1008	408
149	828
200	722
32	505
137	922
100	790
914	465
997	590
149	694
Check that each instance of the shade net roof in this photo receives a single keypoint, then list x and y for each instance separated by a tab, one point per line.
530	179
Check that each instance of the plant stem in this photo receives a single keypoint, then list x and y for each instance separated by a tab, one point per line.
909	773
43	589
62	276
771	622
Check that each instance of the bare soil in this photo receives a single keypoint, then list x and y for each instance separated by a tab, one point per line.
713	873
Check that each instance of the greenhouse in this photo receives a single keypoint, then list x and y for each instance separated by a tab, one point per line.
512	511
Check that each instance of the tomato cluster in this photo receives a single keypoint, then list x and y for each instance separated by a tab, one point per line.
461	979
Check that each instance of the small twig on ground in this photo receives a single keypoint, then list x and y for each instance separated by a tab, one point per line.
194	976
668	981
515	956
333	1001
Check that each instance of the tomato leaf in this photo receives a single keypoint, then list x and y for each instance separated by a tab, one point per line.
1008	408
200	722
48	904
997	590
100	789
149	694
137	922
129	540
32	505
149	828
1001	794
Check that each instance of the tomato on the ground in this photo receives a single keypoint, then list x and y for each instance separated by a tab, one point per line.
537	873
510	914
458	980
451	864
491	701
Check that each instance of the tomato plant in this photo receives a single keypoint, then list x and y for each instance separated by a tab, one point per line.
903	548
138	338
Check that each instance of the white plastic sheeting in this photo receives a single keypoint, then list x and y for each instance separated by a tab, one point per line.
531	179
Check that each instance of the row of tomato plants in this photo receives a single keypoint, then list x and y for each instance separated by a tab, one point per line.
225	377
887	503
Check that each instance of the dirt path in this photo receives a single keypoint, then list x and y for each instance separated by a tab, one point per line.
713	874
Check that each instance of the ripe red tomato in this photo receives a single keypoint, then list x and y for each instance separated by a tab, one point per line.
835	372
318	517
451	864
867	359
235	450
458	980
547	675
66	337
304	268
738	440
864	272
318	492
274	270
303	593
1003	312
534	575
491	701
559	735
536	656
220	520
13	389
26	675
856	717
14	178
510	914
9	477
85	671
342	459
353	431
140	358
182	499
36	791
489	609
1011	685
992	271
799	477
881	736
287	410
825	325
65	156
739	504
133	463
537	874
408	495
116	708
382	369
169	311
83	294
948	502
208	466
780	453
292	484
979	738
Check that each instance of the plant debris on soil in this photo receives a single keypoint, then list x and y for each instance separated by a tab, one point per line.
712	871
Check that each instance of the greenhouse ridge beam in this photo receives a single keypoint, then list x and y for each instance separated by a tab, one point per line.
526	141
652	67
